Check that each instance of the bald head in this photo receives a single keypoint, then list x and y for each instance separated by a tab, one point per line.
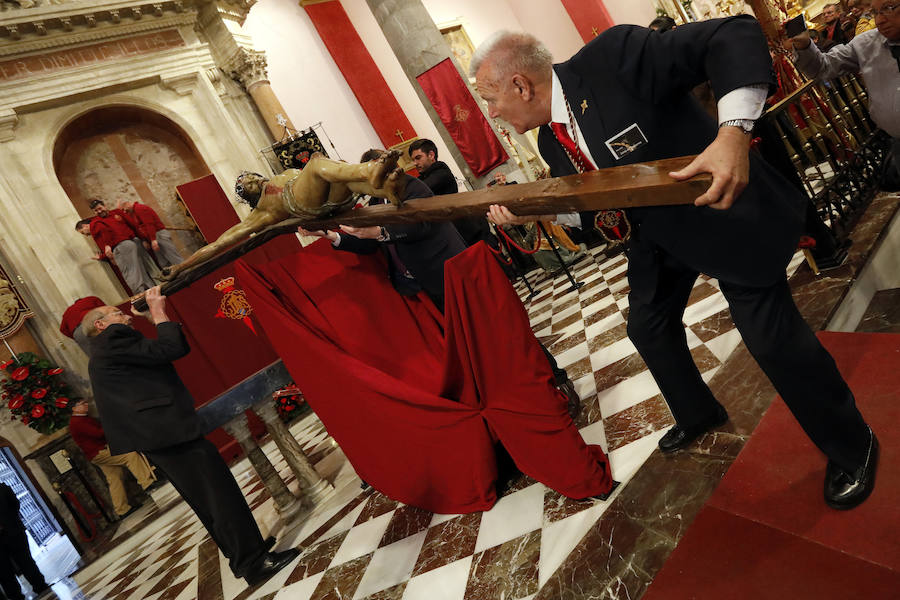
98	319
513	75
510	51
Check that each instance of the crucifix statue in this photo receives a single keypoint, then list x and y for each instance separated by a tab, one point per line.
320	197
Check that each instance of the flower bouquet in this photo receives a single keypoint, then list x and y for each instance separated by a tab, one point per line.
288	401
35	393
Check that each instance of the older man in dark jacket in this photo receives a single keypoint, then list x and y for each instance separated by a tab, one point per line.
625	99
145	407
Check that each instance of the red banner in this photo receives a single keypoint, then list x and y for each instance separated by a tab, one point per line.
469	129
589	16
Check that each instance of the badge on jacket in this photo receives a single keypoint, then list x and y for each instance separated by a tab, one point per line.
626	141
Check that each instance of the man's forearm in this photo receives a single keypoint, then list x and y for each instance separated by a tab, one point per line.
840	60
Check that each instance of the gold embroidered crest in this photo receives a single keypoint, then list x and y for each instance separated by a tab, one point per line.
460	114
234	303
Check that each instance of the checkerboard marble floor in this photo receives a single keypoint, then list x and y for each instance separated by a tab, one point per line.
359	544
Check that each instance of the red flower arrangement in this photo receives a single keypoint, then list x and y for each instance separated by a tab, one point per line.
288	401
34	395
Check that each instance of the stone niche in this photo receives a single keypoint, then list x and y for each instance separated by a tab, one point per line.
129	153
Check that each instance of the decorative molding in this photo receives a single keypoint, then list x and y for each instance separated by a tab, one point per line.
183	85
8	121
249	67
51	19
91	33
13	309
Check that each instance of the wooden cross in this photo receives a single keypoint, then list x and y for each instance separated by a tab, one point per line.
627	186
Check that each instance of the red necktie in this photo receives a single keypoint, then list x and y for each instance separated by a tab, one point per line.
612	224
578	158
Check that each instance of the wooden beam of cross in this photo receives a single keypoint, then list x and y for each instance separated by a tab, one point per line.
628	186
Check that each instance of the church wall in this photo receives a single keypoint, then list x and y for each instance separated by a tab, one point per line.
305	78
311	87
628	12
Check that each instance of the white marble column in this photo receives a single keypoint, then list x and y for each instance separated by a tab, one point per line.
287	505
313	485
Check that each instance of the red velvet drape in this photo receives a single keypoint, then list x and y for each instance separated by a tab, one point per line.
417	399
459	113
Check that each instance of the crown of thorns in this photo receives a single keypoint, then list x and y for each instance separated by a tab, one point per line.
245	195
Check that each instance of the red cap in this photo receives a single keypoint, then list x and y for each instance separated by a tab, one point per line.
75	313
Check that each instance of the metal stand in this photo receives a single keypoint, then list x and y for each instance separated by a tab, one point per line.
575	284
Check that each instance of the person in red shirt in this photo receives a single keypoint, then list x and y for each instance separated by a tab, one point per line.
151	229
118	240
88	434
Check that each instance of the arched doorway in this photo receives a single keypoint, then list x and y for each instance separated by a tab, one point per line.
126	152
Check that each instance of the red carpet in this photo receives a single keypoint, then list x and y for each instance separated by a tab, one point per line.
766	532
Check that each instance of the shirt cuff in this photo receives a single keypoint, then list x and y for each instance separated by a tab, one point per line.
337	242
568	220
744	103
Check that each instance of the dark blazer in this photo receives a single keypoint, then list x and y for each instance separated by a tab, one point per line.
423	247
630	74
439	178
143	404
9	510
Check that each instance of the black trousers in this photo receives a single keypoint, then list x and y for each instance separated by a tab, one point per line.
784	346
205	482
15	557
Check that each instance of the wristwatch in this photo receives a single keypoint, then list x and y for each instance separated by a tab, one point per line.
746	125
383	235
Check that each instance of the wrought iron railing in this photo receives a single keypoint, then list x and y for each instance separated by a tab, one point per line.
836	150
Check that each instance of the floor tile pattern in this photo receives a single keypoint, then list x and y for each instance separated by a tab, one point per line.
358	544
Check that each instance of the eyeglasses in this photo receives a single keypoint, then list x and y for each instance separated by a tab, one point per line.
887	10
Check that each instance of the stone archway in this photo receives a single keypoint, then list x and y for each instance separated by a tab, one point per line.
129	152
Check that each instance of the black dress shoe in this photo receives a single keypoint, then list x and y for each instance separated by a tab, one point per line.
845	490
271	563
574	401
678	437
606	496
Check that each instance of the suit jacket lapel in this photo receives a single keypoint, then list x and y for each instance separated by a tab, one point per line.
590	121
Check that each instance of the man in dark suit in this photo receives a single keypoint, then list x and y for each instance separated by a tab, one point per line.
145	407
624	98
416	252
15	556
439	178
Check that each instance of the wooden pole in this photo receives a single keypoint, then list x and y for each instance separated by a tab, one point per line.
628	186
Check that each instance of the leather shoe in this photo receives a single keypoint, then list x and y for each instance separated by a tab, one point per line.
678	437
573	400
845	490
606	496
271	563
